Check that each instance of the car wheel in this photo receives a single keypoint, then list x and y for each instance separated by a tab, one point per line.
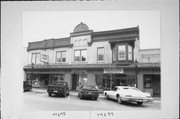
119	100
139	103
95	98
107	97
50	94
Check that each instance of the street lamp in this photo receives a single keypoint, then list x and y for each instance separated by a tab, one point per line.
32	65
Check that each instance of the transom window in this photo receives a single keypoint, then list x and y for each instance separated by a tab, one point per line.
60	56
80	55
100	54
35	58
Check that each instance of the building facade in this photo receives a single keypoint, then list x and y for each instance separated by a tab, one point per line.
105	59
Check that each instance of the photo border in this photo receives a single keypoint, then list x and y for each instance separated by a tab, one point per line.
11	36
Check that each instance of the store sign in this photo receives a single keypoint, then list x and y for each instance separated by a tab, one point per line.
114	71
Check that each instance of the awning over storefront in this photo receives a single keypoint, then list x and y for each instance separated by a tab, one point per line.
104	67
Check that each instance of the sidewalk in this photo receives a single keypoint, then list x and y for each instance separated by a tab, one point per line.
39	90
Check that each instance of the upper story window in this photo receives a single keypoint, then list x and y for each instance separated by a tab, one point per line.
60	56
125	52
100	54
121	52
129	52
80	55
35	58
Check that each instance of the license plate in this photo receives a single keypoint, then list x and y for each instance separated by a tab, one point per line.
90	93
55	91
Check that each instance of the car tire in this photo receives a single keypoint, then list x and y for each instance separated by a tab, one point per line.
119	99
95	98
68	93
139	103
50	94
107	97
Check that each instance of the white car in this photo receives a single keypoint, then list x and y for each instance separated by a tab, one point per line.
128	94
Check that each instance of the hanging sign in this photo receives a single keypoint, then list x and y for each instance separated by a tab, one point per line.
44	58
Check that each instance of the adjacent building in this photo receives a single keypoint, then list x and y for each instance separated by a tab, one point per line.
103	58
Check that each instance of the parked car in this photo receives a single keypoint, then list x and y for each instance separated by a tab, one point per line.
88	91
128	94
58	88
27	86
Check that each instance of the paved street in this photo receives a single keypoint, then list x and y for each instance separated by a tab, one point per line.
34	101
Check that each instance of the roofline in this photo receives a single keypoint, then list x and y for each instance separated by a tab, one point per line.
125	29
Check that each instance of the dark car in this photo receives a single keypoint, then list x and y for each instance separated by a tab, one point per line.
88	91
27	86
58	88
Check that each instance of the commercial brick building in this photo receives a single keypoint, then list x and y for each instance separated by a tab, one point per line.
103	58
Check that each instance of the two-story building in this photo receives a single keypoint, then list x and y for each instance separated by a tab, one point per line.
104	58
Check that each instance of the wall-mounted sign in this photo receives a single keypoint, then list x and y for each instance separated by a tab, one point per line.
44	58
114	71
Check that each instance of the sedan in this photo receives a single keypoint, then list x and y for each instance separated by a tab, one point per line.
88	91
128	94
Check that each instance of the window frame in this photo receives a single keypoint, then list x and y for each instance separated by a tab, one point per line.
98	54
61	58
80	59
35	54
125	46
126	52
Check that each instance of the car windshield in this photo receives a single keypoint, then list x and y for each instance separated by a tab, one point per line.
131	88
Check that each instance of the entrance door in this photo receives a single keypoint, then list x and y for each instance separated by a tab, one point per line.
75	80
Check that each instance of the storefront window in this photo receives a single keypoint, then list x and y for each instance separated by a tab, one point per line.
35	59
100	54
56	78
147	82
121	52
61	56
99	81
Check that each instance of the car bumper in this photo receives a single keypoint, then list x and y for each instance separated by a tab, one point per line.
57	91
89	95
137	100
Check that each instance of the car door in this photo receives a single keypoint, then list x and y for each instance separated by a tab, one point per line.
112	94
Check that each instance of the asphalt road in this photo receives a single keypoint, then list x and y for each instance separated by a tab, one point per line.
42	102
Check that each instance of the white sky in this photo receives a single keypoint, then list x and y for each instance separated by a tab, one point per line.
38	26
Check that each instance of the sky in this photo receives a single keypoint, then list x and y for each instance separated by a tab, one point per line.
40	25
